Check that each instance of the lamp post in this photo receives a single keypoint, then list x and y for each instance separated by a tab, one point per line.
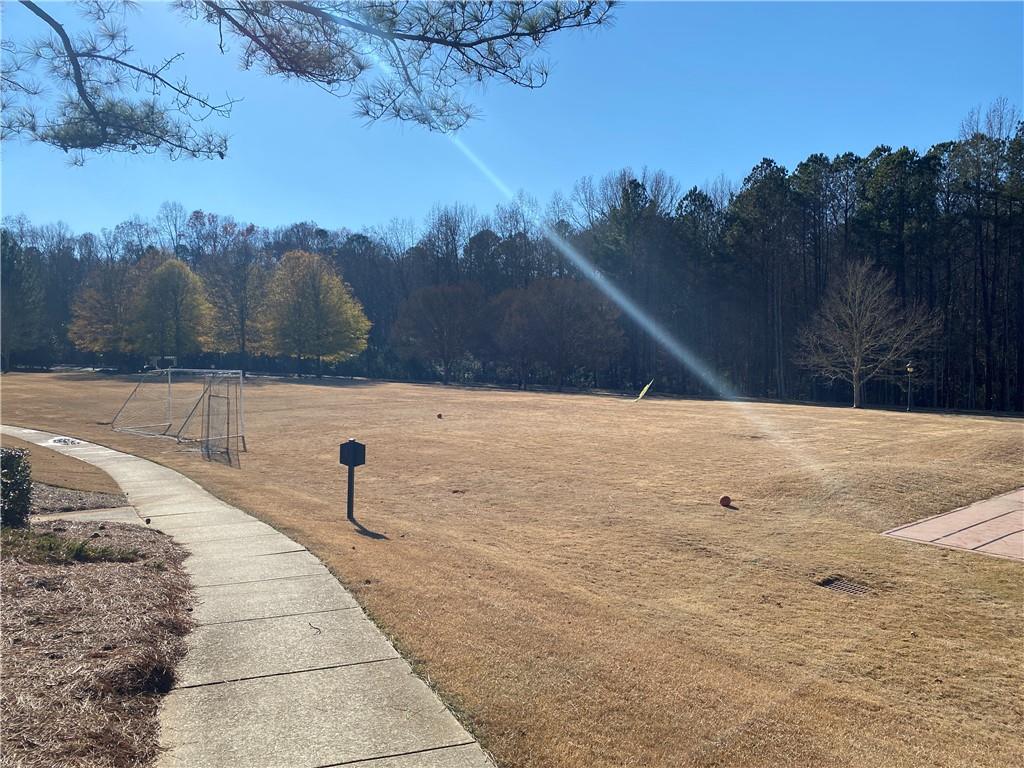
910	388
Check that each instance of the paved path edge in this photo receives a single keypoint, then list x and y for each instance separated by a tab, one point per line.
262	684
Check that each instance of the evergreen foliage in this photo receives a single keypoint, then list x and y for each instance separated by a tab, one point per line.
16	482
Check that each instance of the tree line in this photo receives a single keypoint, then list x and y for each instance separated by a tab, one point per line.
746	277
124	311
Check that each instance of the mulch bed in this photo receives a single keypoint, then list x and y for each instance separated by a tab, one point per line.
93	621
47	499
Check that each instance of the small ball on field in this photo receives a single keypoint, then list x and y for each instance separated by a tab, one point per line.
725	501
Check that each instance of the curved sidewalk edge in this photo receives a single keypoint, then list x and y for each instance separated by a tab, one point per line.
283	669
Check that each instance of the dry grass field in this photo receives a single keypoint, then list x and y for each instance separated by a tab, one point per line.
559	567
56	469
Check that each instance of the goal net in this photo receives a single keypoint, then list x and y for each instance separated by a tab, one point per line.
192	405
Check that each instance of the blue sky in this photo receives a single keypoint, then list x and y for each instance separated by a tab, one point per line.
696	89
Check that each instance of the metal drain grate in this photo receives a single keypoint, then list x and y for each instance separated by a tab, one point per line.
839	584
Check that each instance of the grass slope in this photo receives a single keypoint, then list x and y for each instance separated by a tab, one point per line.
560	568
56	469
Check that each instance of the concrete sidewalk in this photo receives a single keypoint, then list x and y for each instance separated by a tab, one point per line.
989	527
283	669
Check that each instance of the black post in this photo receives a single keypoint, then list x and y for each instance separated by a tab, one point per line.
352	454
351	492
910	385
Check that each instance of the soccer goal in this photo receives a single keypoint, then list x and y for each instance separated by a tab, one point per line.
192	405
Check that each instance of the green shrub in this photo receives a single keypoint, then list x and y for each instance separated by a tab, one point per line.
16	482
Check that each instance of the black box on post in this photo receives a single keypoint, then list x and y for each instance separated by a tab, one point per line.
353	454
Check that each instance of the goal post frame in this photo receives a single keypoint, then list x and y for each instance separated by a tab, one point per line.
207	377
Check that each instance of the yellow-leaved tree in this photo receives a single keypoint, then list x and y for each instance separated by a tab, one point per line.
102	313
171	314
312	312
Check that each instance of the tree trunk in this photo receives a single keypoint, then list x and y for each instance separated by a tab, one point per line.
243	347
780	361
856	389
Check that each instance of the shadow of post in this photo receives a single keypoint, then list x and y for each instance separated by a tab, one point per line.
362	530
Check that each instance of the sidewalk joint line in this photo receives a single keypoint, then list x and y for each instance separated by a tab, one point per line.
396	754
257	581
892	531
286	552
276	616
174	514
972	525
998	538
289	672
229	538
193	527
232	583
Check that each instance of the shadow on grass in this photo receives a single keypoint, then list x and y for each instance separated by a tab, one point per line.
231	459
362	530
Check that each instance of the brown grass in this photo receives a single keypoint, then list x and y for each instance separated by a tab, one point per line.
93	620
560	568
56	469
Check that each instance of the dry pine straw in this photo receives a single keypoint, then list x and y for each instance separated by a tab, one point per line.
51	499
89	647
560	568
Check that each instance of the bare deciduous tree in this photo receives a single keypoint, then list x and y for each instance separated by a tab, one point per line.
236	279
861	331
171	222
439	325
